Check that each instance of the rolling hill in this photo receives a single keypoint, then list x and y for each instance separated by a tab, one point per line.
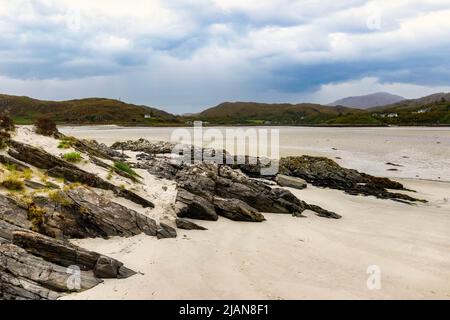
368	101
278	114
430	110
25	110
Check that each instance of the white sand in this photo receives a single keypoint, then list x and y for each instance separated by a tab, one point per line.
284	257
296	258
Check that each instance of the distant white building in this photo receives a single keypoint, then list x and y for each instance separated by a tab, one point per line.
423	110
148	116
392	115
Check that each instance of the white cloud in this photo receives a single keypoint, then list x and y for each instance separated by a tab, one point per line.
194	53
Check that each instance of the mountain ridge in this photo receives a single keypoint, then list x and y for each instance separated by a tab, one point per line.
368	101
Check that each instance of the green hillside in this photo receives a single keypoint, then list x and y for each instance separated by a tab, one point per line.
25	110
279	114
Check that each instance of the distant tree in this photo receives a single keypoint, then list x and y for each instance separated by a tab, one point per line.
6	123
45	126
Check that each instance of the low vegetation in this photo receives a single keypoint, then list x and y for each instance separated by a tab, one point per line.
13	182
45	126
121	166
36	216
72	157
6	123
66	143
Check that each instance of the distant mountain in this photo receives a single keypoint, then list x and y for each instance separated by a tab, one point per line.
368	101
25	110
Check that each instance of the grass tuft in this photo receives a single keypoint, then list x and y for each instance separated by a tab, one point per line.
126	168
72	157
13	182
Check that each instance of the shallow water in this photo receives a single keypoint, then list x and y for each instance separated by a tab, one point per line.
421	152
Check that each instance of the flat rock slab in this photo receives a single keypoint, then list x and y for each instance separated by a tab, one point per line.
291	182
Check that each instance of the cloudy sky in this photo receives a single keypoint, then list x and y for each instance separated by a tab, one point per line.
185	55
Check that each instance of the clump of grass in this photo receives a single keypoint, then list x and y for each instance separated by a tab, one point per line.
36	216
60	198
10	166
13	182
27	174
110	174
66	143
126	168
72	186
72	157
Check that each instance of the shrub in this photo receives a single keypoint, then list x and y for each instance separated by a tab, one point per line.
73	157
60	198
12	182
6	123
4	139
36	216
45	126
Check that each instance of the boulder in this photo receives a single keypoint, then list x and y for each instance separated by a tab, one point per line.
291	182
18	264
189	205
166	231
188	225
237	210
324	172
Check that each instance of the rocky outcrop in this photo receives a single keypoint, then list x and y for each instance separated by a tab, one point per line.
237	210
143	145
166	231
80	212
324	172
25	276
99	150
291	182
223	190
188	225
34	266
65	254
4	159
57	167
189	205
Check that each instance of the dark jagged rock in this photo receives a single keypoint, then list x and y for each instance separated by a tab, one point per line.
4	159
80	213
188	225
56	251
196	196
161	167
36	185
7	231
143	145
237	210
42	278
165	231
62	169
189	205
324	172
13	213
19	288
291	182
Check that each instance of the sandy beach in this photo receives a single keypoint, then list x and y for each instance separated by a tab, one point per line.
283	257
296	258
